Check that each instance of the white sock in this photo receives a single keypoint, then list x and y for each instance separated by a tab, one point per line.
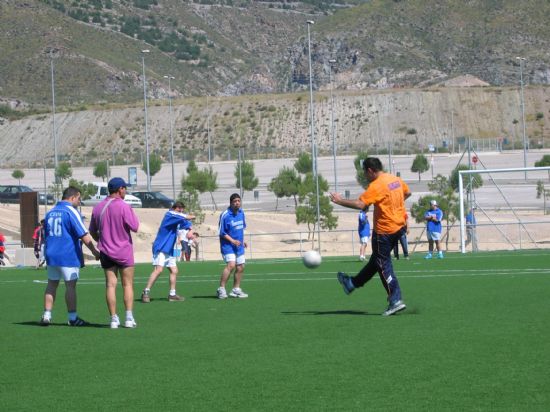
48	314
172	292
129	315
114	318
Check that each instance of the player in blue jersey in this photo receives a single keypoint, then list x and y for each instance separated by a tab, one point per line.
164	247
433	218
364	232
65	233
231	231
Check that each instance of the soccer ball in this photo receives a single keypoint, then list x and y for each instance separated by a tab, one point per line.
311	259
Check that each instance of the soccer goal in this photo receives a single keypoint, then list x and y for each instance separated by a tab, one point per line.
506	212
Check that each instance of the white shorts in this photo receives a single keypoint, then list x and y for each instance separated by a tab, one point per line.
364	240
231	257
164	259
434	235
63	272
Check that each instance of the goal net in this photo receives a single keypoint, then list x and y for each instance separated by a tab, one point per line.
508	211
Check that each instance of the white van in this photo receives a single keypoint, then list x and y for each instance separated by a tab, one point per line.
102	192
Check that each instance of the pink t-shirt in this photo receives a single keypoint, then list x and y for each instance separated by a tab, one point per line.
117	222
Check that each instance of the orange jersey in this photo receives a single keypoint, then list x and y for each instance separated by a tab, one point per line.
387	193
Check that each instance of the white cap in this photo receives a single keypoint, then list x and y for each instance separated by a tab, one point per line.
433	203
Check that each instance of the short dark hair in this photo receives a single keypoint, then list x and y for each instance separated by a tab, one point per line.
70	192
233	197
178	205
372	163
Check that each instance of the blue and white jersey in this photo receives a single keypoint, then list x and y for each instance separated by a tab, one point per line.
434	226
364	225
168	232
232	224
63	229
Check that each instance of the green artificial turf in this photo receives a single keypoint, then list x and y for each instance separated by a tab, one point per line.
475	336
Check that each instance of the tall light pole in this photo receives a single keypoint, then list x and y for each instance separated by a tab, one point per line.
54	131
521	60
208	131
148	171
330	63
313	143
171	135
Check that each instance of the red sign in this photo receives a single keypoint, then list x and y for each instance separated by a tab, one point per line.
474	159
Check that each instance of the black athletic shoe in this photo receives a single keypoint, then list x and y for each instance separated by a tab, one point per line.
78	322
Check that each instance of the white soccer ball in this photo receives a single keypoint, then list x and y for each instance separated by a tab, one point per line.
311	259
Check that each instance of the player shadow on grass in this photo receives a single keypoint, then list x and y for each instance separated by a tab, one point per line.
330	312
37	323
411	311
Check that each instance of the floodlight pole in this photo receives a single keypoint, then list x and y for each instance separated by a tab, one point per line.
54	131
331	62
208	131
313	143
171	136
148	170
521	60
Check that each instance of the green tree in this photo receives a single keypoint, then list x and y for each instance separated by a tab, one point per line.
250	181
359	173
472	181
544	193
306	212
101	169
155	164
202	181
285	184
304	163
420	165
192	203
63	172
544	161
18	174
86	189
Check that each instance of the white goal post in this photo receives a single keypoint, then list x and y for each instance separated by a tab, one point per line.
464	173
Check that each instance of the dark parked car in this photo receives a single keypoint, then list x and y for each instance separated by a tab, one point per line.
154	199
10	194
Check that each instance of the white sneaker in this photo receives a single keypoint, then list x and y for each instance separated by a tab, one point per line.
362	258
130	323
222	293
115	323
237	293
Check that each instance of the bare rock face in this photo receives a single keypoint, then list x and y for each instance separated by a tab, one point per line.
408	119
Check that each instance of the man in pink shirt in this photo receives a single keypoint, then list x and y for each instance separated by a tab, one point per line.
111	223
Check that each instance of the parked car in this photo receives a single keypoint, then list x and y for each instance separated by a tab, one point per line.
102	192
10	194
154	199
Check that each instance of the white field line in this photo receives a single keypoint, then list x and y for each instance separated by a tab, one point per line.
264	277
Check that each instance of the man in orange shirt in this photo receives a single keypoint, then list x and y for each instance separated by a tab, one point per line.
388	194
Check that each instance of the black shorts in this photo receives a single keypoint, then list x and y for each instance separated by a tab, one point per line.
108	263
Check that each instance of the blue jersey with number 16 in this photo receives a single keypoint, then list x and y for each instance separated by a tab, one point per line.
63	229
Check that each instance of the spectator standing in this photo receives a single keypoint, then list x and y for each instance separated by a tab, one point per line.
2	249
471	223
364	232
433	219
403	241
64	234
38	244
111	225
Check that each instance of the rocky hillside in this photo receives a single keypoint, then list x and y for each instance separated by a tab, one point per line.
406	120
238	47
